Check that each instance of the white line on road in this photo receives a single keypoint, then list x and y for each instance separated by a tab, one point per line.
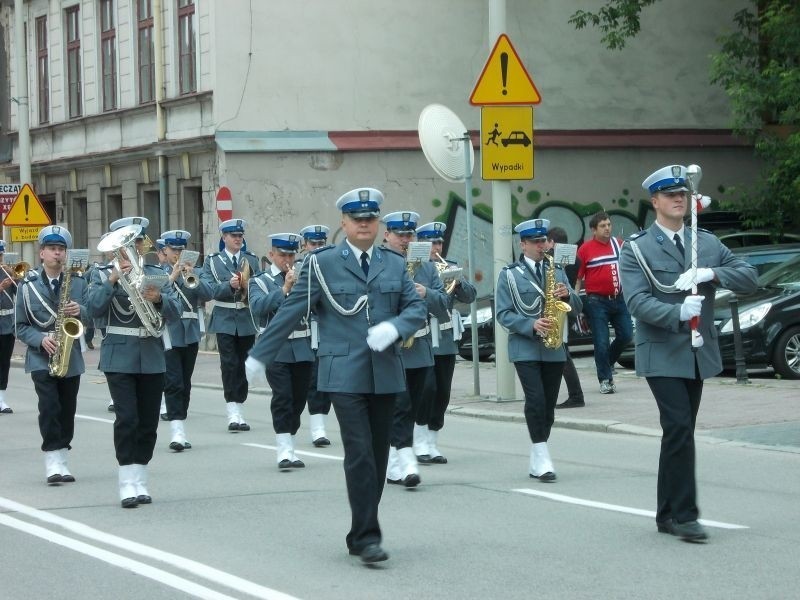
195	568
617	507
302	452
88	418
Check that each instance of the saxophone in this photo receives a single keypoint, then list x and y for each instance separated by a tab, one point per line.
555	310
67	330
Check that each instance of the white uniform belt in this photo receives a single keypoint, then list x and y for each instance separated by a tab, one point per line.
189	315
445	326
236	305
6	311
139	332
299	334
423	332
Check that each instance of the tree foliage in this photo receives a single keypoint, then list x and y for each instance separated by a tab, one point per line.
758	66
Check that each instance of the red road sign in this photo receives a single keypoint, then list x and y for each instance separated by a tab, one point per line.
224	204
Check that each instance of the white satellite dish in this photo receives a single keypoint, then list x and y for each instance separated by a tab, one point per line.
441	135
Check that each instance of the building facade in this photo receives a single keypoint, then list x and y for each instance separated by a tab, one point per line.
149	106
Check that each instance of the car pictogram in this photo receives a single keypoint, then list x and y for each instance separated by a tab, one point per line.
516	137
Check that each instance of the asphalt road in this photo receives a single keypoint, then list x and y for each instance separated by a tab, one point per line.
225	523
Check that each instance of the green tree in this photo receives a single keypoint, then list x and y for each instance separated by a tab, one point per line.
758	66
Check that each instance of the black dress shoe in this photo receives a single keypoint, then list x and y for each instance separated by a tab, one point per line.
7	410
164	417
68	479
548	477
394	481
372	553
412	481
664	526
320	442
144	499
90	345
691	531
439	460
298	464
571	404
285	464
424	459
233	427
244	427
131	502
176	446
111	408
54	479
187	446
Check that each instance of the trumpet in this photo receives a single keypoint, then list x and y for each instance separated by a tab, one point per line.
15	271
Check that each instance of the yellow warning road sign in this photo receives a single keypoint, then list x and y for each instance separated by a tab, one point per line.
504	79
26	211
507	142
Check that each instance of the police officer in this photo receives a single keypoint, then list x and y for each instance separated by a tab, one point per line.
132	359
288	376
319	405
225	273
657	277
520	303
365	303
411	413
102	271
8	289
440	380
184	334
37	317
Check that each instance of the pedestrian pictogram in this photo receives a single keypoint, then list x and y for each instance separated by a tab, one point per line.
507	147
26	211
504	79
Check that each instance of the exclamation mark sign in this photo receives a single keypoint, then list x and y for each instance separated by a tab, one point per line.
26	200
504	70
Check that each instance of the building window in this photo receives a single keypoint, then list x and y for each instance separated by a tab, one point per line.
112	209
78	221
186	58
108	54
42	70
144	17
73	61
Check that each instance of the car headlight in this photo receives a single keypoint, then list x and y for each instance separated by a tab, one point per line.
482	315
748	318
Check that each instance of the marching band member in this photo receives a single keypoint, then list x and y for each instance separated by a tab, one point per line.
288	375
365	302
102	271
521	296
438	386
226	273
8	288
132	354
411	412
49	316
184	335
319	405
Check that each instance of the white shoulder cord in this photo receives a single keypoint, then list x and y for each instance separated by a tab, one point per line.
27	297
213	268
359	304
529	310
665	289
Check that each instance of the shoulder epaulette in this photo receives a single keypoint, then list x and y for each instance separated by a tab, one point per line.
451	262
31	275
387	249
638	234
248	253
704	230
322	249
213	254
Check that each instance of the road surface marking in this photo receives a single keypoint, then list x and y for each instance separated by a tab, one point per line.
302	452
195	568
617	507
88	418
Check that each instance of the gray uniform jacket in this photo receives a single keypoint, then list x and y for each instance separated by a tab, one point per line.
524	344
34	320
186	330
264	305
126	353
663	341
464	292
346	362
7	309
216	274
421	352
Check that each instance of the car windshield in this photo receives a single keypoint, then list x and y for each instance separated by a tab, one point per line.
785	276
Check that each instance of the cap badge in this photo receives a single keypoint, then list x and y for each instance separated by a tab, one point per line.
363	195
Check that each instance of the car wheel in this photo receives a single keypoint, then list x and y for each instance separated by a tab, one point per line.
786	359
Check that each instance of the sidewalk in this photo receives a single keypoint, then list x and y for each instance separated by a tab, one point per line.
765	412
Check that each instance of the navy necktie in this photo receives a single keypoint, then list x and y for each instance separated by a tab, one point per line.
679	244
56	286
365	263
539	273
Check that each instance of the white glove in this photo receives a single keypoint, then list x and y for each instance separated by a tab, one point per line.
381	336
684	282
691	307
256	371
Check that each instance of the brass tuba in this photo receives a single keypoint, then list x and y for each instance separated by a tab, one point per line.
67	330
122	243
555	310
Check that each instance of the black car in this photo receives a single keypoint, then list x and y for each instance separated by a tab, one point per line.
763	258
769	320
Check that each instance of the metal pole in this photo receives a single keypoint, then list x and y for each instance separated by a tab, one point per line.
741	370
473	314
23	112
501	232
161	121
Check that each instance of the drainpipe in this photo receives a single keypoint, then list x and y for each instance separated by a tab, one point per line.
161	121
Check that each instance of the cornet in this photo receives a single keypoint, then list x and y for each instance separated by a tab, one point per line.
15	271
